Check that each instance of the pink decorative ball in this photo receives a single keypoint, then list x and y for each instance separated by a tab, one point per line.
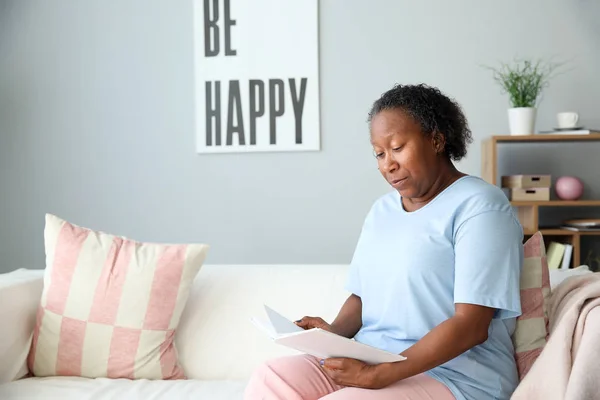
568	188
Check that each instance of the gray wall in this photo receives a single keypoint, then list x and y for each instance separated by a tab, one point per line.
96	118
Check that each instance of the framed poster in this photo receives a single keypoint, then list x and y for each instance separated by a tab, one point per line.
256	75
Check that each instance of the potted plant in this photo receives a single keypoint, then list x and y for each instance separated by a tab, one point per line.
523	81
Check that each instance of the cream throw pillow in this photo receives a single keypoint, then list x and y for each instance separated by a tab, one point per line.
110	306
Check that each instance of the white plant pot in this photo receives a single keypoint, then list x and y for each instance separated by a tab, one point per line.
521	120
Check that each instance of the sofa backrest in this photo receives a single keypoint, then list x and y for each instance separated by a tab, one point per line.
216	339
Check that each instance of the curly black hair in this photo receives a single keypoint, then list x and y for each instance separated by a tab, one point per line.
433	110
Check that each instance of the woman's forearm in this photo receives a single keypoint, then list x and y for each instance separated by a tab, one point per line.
443	343
349	319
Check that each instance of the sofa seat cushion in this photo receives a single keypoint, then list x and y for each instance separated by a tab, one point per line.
75	388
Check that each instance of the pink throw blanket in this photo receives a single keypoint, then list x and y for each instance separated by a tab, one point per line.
569	366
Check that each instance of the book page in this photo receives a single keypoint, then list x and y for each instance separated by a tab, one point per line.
324	344
265	326
281	325
318	342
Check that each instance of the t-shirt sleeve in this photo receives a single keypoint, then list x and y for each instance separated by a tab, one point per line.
360	256
488	260
353	280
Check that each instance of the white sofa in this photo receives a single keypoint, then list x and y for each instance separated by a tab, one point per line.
218	345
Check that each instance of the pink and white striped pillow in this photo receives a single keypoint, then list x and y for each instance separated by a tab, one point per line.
531	333
110	306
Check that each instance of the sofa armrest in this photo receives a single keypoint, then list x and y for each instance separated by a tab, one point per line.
20	293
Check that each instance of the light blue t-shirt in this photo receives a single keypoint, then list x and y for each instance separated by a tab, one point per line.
410	268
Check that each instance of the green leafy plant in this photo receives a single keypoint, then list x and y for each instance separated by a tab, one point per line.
524	80
592	261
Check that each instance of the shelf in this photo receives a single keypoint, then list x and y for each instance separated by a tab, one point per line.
528	212
557	203
541	137
562	232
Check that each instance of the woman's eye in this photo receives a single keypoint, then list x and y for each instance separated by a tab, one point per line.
397	148
379	155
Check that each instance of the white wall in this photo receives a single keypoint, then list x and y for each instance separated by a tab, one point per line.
96	118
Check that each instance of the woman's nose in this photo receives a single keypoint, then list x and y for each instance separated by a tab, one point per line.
390	164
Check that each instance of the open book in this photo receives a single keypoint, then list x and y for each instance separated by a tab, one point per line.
318	342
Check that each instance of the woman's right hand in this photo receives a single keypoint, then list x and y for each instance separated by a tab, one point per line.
314	322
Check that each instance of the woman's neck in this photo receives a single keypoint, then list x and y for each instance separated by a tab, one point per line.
447	175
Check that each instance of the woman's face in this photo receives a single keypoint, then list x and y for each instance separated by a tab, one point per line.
406	157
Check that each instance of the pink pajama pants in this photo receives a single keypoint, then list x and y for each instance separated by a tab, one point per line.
302	378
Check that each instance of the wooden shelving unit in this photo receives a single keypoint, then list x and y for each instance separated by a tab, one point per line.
528	211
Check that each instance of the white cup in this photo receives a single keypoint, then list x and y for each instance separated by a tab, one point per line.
567	119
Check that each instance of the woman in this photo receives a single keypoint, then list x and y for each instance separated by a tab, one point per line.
435	274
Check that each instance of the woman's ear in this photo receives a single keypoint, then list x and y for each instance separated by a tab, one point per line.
439	142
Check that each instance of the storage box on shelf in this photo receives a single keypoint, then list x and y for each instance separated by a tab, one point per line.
526	181
527	187
528	210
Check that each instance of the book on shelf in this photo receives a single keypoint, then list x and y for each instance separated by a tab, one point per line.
581	228
566	261
559	255
571	132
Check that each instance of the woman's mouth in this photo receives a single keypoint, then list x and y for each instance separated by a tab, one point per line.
397	182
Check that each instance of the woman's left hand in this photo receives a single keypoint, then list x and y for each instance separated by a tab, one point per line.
355	373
